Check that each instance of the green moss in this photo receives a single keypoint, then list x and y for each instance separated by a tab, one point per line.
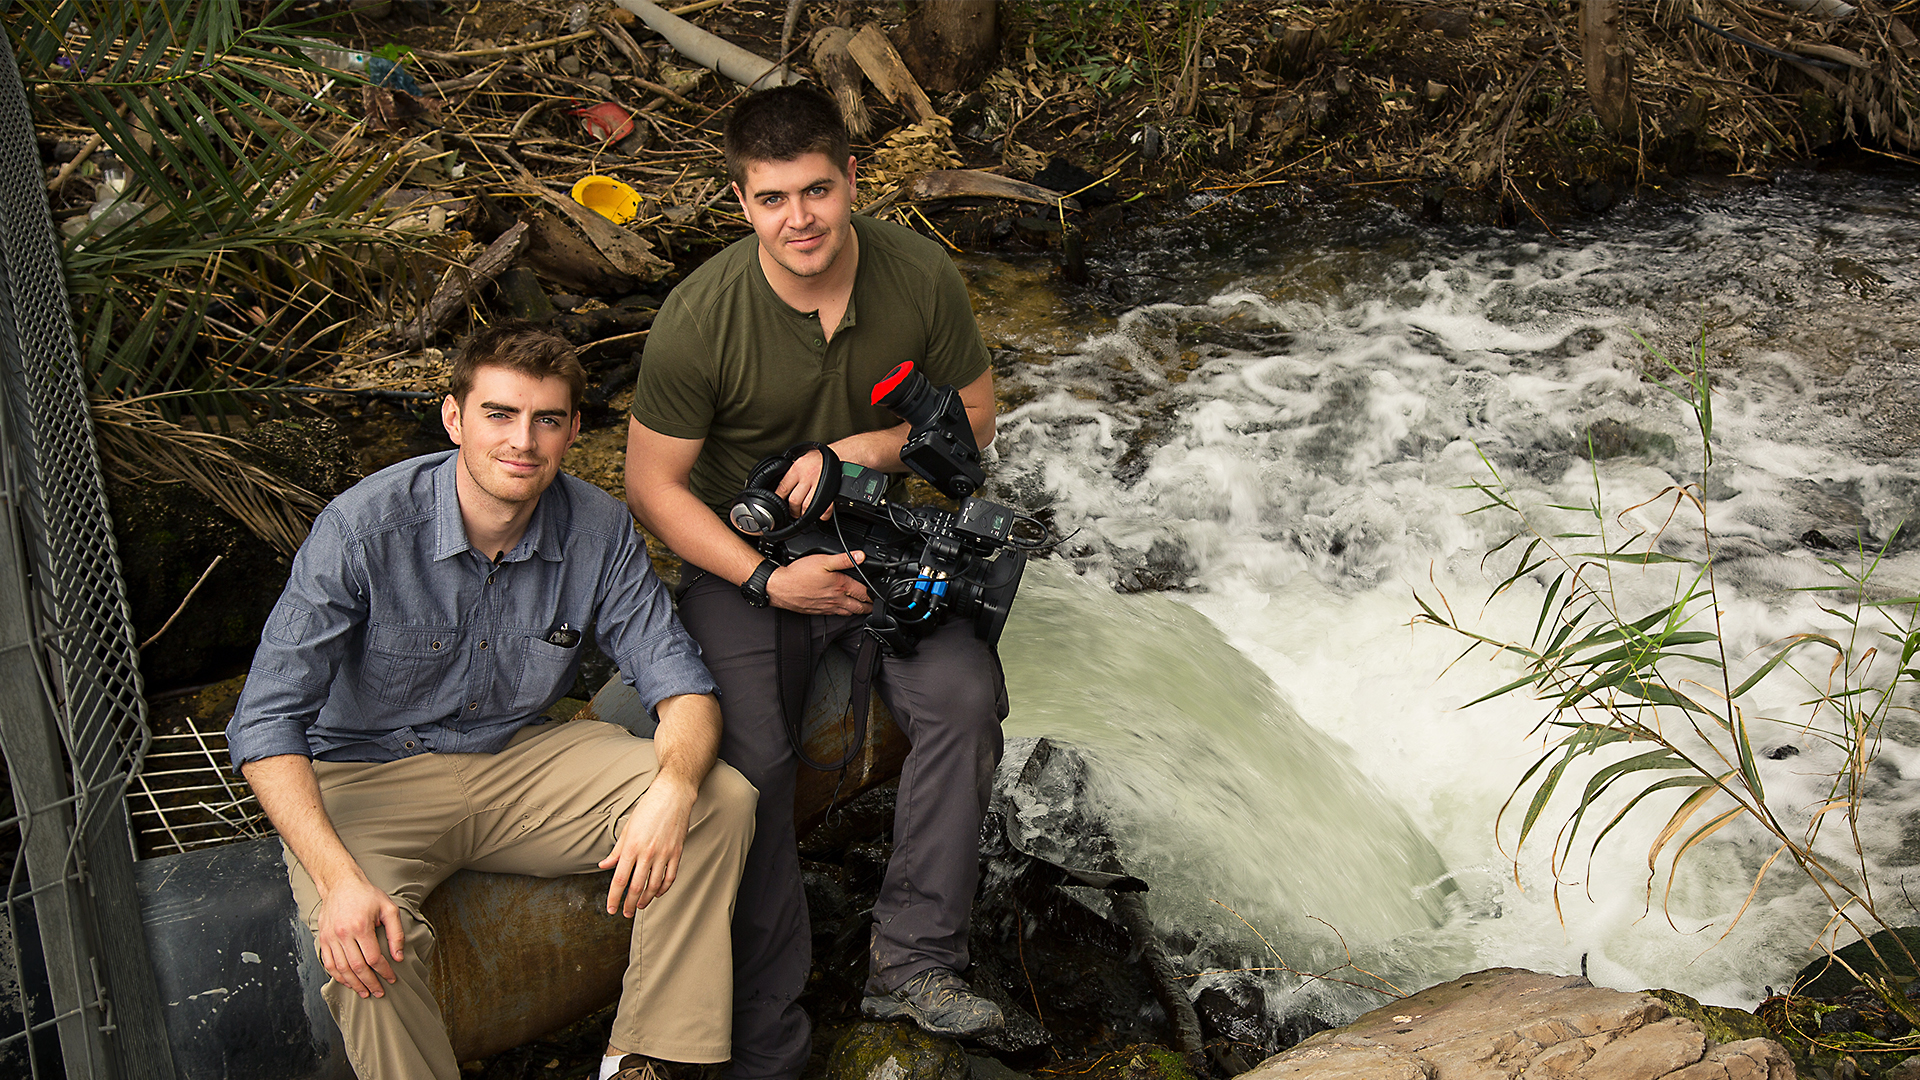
1722	1025
1167	1064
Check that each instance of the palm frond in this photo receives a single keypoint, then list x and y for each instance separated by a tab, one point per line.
138	444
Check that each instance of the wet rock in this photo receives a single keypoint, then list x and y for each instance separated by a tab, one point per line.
1595	195
521	296
1509	1022
1830	977
990	1068
1612	439
1067	178
896	1051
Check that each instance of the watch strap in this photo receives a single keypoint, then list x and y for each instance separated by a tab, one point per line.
754	589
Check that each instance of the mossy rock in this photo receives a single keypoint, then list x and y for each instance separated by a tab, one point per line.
896	1051
1806	1028
1722	1024
1827	977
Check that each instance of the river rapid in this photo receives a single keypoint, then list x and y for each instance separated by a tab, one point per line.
1257	426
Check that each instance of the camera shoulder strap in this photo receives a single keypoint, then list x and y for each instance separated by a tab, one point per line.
793	647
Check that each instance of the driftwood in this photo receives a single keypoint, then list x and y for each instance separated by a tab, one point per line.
874	53
838	69
559	255
707	50
459	284
628	253
973	183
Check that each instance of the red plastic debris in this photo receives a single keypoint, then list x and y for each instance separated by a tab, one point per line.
606	121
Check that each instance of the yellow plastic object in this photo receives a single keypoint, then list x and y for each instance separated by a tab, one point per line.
607	197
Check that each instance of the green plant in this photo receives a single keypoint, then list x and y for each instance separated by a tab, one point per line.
237	248
1644	699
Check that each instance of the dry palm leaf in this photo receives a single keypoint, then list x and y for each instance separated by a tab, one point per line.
138	444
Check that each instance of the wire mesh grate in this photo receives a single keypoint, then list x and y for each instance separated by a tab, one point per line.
73	722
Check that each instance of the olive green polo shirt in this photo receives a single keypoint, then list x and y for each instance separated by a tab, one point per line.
729	362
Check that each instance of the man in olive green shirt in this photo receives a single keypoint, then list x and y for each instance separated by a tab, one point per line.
777	341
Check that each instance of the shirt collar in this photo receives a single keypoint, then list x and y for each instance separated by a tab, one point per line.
546	530
450	532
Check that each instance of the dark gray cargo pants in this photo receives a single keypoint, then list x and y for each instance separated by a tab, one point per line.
949	699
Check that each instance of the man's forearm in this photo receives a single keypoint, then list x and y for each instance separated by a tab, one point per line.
688	738
694	532
289	793
875	449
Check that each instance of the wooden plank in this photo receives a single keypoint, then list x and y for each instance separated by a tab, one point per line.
884	68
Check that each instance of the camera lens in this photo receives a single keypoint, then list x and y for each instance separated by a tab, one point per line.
907	394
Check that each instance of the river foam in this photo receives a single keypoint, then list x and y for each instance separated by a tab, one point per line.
1285	442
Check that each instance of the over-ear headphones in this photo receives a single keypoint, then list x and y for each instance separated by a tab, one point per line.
759	513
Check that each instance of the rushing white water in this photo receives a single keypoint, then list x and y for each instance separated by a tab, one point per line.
1274	449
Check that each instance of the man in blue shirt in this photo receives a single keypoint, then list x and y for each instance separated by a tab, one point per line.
392	729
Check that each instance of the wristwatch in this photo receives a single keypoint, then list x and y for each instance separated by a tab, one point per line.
755	587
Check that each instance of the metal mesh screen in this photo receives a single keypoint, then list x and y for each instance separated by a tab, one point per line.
72	717
187	795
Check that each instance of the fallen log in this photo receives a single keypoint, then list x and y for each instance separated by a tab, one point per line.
563	257
841	72
974	183
707	50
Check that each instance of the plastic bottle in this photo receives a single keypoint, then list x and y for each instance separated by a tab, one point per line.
333	56
110	210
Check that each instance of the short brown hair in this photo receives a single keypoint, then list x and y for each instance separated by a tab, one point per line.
781	124
521	346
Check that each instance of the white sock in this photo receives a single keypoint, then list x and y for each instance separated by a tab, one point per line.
609	1066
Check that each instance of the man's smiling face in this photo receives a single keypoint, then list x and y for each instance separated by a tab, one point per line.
801	210
512	431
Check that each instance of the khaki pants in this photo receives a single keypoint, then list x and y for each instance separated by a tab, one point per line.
550	804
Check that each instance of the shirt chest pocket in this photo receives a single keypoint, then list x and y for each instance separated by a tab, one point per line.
408	665
546	672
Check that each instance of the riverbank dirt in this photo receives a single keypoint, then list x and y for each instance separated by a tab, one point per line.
1483	108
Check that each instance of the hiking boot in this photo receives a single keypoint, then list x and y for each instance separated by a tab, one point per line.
642	1067
938	1001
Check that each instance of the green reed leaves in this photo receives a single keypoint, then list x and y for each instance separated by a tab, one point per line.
1644	704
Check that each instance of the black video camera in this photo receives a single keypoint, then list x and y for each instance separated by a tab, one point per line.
923	564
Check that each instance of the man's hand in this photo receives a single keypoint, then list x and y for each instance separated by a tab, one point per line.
647	858
353	911
813	585
352	914
801	480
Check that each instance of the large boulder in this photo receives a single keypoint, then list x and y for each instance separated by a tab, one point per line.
1505	1022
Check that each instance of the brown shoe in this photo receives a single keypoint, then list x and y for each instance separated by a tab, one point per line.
642	1067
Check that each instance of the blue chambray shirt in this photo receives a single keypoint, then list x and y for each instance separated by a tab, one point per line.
395	637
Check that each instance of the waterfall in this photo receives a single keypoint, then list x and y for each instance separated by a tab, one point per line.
1266	453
